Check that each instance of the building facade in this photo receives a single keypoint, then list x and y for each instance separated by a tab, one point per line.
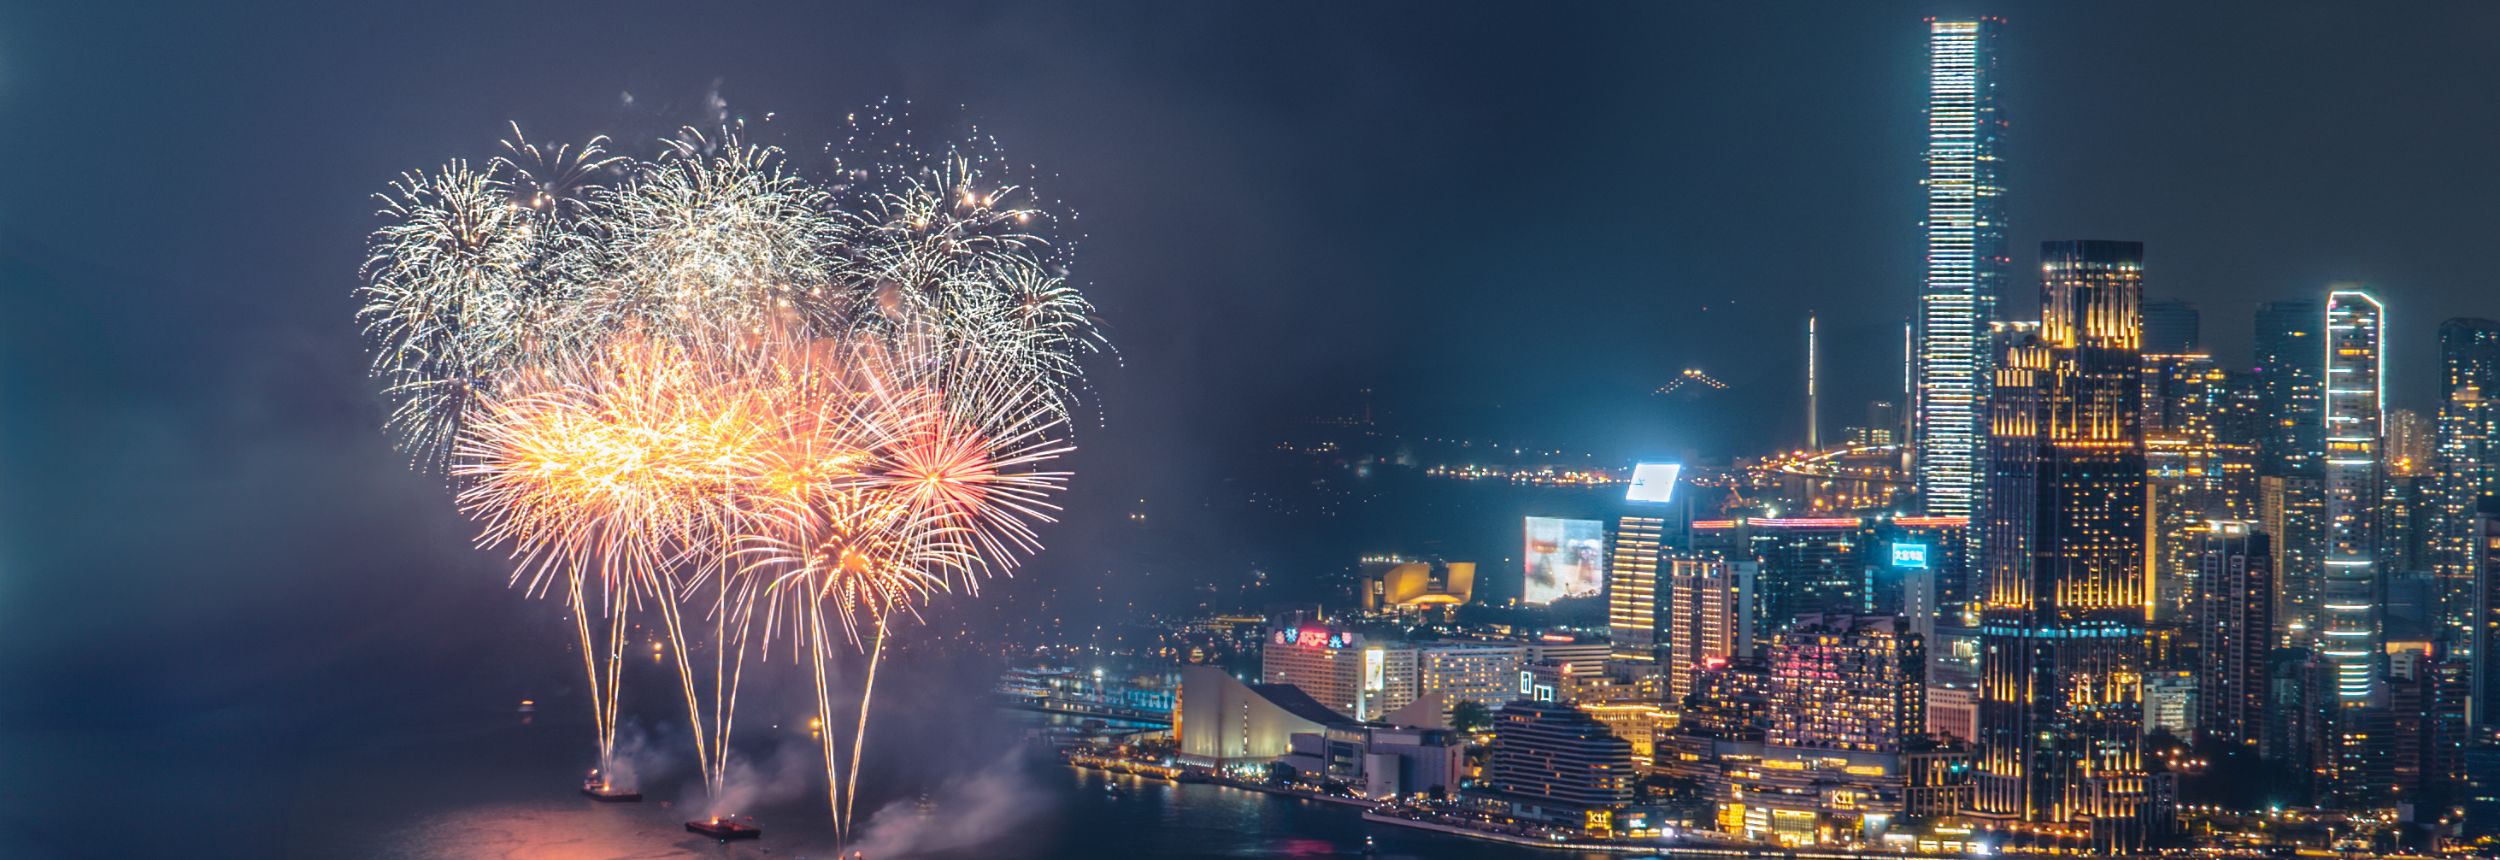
1355	677
1486	674
2235	611
2063	628
2353	590
1225	724
2483	706
1967	258
2467	435
1848	683
1554	763
1632	587
1710	619
2291	367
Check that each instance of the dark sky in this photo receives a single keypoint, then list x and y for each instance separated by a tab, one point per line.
1503	219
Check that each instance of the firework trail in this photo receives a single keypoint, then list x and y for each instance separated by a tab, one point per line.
608	471
706	375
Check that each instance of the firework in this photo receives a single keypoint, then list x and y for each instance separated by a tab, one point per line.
555	178
613	472
466	287
818	404
720	236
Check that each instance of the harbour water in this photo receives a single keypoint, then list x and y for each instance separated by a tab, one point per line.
466	784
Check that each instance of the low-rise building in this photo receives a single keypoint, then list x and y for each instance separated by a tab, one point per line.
1555	764
1383	762
1485	673
1225	724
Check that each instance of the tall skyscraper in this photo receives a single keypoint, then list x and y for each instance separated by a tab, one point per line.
2353	590
2291	359
1632	588
2291	362
2483	707
2353	415
2468	461
2061	718
2235	616
1966	258
2184	462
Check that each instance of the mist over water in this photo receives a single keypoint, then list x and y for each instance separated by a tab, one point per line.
971	810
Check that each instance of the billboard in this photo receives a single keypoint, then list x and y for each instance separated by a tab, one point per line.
1653	482
1909	555
1565	558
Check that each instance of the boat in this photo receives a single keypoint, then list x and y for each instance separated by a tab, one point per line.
599	790
724	828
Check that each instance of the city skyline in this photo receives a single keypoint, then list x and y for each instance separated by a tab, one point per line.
1290	321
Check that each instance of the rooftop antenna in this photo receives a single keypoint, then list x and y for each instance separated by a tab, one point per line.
1814	438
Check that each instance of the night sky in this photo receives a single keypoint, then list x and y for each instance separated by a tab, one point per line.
1503	220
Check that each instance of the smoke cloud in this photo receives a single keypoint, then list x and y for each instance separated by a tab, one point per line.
783	773
975	809
640	760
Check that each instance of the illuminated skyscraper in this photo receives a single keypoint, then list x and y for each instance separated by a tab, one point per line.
2349	622
1966	258
2352	592
1632	588
2184	460
2468	456
2062	628
2291	356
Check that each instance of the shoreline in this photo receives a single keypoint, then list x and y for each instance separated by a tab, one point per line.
1370	814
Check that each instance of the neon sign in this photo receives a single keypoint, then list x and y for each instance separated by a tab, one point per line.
1314	637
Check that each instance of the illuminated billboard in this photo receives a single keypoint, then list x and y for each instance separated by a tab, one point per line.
1909	555
1312	636
1565	558
1653	482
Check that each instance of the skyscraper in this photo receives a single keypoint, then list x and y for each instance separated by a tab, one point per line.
1711	618
1966	258
2483	709
2235	616
2352	593
2063	628
2467	434
1632	588
2291	358
2291	361
2183	461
